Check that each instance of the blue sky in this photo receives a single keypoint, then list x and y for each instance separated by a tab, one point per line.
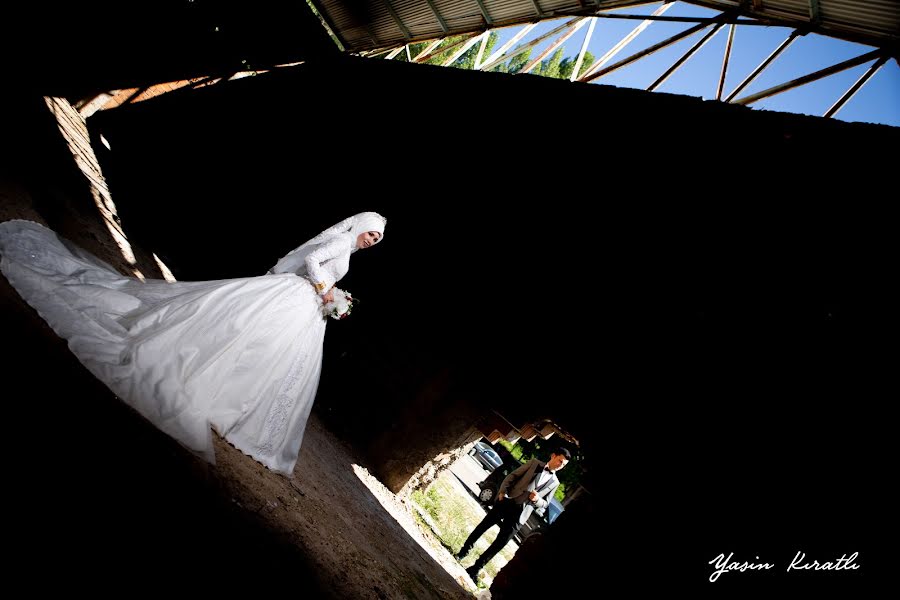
877	102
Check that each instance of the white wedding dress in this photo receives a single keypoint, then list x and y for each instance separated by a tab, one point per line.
242	356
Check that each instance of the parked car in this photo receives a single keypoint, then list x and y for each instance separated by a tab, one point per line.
486	456
536	524
490	484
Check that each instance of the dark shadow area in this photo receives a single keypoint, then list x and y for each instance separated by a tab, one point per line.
35	158
704	306
104	501
106	45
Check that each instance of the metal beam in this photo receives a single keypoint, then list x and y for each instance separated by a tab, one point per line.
437	15
761	22
439	51
571	27
648	51
725	58
794	83
481	47
765	63
556	44
537	8
876	66
584	47
623	42
814	15
684	57
428	49
397	19
394	53
484	13
374	53
465	48
614	4
492	59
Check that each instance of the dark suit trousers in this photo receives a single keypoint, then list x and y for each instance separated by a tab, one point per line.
504	513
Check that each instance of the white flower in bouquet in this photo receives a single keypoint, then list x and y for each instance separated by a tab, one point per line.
342	305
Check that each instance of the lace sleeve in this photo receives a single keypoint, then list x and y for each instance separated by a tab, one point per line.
320	277
295	260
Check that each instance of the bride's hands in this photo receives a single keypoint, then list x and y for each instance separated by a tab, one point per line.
329	296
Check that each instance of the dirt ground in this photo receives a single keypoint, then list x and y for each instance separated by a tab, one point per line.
362	538
145	504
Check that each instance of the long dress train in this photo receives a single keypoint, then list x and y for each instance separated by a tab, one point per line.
242	356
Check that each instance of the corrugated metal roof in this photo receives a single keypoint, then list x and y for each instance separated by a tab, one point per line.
864	15
369	24
872	22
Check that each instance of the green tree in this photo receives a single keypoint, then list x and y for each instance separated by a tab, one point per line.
556	66
466	61
515	64
568	65
550	67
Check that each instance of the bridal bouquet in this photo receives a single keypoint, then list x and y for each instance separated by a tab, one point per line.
342	305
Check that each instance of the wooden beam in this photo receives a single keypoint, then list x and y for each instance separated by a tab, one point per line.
684	57
493	58
820	74
584	47
428	49
481	47
556	44
623	42
465	47
765	63
855	87
725	58
648	51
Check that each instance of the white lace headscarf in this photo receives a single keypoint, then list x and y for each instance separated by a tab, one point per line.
367	221
294	261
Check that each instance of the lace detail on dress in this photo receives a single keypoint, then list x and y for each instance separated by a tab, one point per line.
276	420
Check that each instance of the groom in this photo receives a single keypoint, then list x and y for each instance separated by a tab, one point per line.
527	488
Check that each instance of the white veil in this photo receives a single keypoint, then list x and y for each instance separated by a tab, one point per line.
295	260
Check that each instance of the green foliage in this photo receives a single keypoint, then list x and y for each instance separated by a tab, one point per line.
556	66
560	492
453	516
466	61
515	64
429	501
550	67
568	65
514	449
541	449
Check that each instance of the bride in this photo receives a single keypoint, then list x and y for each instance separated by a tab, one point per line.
241	356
